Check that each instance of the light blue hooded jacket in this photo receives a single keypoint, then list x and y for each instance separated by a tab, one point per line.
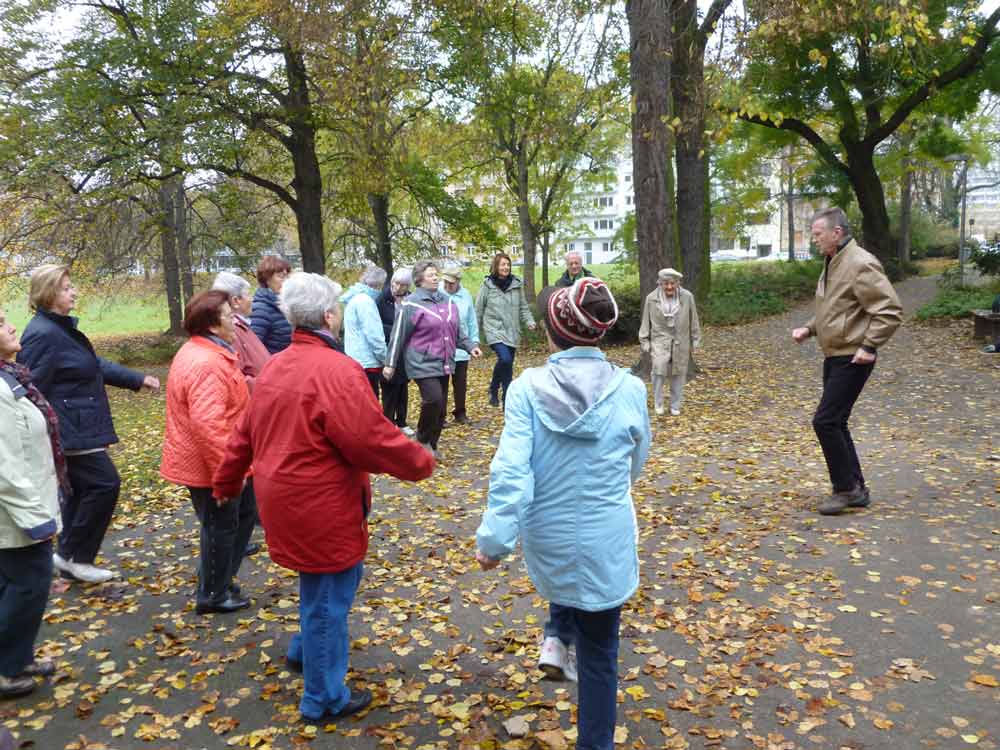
364	338
575	437
467	319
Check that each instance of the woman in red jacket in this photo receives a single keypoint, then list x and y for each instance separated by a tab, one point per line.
206	394
314	431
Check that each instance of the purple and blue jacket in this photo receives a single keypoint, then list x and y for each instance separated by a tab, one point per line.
426	334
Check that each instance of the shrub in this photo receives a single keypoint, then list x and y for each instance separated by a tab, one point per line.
143	350
958	301
986	259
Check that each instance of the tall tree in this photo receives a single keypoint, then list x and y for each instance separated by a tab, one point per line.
650	23
845	77
538	79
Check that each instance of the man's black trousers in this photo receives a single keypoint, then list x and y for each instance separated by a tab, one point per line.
842	384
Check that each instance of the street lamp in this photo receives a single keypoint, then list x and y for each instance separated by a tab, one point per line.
964	158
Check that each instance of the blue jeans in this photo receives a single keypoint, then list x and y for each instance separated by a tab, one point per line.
596	637
503	370
322	644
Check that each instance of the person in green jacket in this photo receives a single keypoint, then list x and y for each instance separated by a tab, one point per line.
501	309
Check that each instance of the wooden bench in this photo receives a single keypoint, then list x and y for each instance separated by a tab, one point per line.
986	325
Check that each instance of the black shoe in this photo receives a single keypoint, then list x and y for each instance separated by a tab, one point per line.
232	603
461	419
860	497
12	687
39	668
494	400
252	549
836	503
235	589
359	700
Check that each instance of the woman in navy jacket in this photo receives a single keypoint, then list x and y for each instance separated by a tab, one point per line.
72	377
266	318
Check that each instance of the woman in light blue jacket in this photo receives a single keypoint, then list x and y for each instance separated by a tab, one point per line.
451	284
578	416
364	339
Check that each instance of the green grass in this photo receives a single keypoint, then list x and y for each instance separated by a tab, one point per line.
959	302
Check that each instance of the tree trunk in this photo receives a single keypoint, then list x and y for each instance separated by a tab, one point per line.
688	88
529	233
652	143
183	239
546	237
876	234
379	204
905	213
168	247
790	207
308	181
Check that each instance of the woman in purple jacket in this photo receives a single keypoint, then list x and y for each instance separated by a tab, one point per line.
425	335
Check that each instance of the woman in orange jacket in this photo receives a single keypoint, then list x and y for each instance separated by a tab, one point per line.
206	395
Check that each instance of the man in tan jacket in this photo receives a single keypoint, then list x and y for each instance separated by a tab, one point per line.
857	311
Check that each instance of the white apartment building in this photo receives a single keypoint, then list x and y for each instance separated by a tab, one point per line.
598	215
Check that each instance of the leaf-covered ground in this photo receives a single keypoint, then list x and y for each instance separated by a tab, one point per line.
758	624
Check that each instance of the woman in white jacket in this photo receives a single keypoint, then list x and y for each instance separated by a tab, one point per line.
32	469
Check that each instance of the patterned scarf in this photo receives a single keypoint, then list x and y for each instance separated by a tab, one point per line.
23	376
668	305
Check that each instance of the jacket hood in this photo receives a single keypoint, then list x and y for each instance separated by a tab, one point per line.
355	289
427	295
570	393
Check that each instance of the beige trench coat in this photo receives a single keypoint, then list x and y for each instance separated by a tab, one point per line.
671	354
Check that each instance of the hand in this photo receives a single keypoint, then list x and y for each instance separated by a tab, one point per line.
532	325
486	563
476	352
800	334
150	383
388	372
862	357
220	501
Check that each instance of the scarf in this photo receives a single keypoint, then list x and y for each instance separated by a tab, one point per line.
668	305
502	283
23	376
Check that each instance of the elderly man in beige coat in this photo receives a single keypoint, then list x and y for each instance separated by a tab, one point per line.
669	332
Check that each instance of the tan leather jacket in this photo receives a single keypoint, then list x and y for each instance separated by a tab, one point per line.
855	303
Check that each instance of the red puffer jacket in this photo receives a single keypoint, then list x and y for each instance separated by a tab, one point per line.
314	430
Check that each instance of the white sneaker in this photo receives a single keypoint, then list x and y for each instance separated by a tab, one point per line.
82	571
659	411
557	661
675	412
407	430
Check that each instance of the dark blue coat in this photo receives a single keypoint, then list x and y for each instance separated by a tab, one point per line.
72	377
268	322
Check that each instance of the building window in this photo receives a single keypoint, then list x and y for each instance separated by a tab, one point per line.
604	223
763	251
628	178
606	248
605	201
628	200
596	222
570	247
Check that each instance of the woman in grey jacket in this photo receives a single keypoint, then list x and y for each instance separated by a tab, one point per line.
31	467
501	309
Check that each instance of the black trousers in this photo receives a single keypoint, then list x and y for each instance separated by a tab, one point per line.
25	577
842	384
225	532
394	401
433	395
459	386
374	380
87	514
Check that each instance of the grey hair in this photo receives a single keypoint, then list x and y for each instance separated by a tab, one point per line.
307	297
420	268
374	277
231	284
833	217
571	253
403	276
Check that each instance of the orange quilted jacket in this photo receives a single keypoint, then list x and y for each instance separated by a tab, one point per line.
206	394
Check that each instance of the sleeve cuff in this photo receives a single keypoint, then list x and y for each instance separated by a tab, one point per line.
44	531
